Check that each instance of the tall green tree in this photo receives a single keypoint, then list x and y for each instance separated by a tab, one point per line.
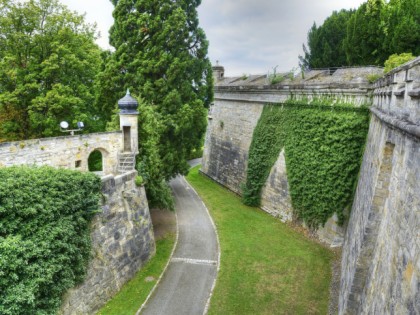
365	35
161	55
326	42
48	64
402	27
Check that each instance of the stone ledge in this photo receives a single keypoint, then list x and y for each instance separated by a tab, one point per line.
403	125
42	140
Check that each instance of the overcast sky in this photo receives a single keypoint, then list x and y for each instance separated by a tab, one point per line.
246	36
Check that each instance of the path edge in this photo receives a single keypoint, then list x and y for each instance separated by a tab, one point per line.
206	308
164	269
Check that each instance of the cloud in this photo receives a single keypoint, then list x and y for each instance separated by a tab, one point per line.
249	36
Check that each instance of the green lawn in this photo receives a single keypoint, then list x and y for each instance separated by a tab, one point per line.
134	293
266	267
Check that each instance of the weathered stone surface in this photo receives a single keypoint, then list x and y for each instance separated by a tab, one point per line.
122	241
275	198
64	152
381	254
228	137
122	236
235	113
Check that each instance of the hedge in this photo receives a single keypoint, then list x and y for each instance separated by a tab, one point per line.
45	244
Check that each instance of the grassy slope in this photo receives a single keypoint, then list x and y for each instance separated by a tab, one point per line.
134	293
266	267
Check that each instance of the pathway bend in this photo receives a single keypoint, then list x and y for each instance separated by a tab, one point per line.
188	281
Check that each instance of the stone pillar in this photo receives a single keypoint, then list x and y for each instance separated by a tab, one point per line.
129	124
218	72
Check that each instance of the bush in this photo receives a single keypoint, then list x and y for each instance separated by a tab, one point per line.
45	241
139	180
396	60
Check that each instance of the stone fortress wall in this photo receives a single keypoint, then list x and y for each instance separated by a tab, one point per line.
381	251
122	234
122	242
237	107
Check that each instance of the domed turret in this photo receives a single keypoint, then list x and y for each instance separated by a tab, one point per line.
128	104
218	72
129	124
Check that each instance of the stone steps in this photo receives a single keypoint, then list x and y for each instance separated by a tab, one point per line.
126	162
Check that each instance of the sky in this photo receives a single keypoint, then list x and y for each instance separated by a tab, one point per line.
245	36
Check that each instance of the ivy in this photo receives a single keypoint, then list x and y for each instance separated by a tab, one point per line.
45	243
323	143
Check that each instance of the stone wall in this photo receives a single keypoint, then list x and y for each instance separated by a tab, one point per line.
70	152
381	253
228	137
237	107
122	235
122	238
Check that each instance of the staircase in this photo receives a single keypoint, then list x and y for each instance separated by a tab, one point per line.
126	162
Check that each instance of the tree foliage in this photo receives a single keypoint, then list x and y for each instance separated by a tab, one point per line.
44	236
366	36
48	63
396	60
326	42
161	55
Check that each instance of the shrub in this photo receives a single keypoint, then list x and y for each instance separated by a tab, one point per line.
396	60
45	241
139	180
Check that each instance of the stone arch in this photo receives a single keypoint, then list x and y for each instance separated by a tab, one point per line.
97	160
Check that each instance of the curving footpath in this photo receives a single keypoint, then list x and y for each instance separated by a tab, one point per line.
187	283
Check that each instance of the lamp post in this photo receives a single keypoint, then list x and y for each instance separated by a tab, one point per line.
64	125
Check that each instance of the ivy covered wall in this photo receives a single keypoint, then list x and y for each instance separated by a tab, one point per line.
323	143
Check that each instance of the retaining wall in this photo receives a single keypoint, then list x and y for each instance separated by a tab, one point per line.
122	241
122	235
381	253
237	107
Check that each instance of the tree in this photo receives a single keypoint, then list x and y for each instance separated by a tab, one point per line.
402	20
325	42
365	35
161	55
48	63
396	60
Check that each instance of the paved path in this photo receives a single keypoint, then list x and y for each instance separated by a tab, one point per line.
187	283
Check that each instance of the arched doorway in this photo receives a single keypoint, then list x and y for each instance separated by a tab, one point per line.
95	161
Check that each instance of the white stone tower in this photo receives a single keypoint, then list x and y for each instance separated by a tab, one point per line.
129	127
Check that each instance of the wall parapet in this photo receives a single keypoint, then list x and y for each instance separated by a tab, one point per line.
381	257
404	126
70	152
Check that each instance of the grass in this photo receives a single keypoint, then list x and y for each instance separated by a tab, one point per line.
266	267
133	294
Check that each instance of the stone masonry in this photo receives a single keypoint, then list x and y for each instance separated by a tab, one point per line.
381	253
122	234
237	107
122	242
70	152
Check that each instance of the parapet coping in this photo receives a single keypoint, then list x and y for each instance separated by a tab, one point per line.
298	86
120	177
405	126
39	140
